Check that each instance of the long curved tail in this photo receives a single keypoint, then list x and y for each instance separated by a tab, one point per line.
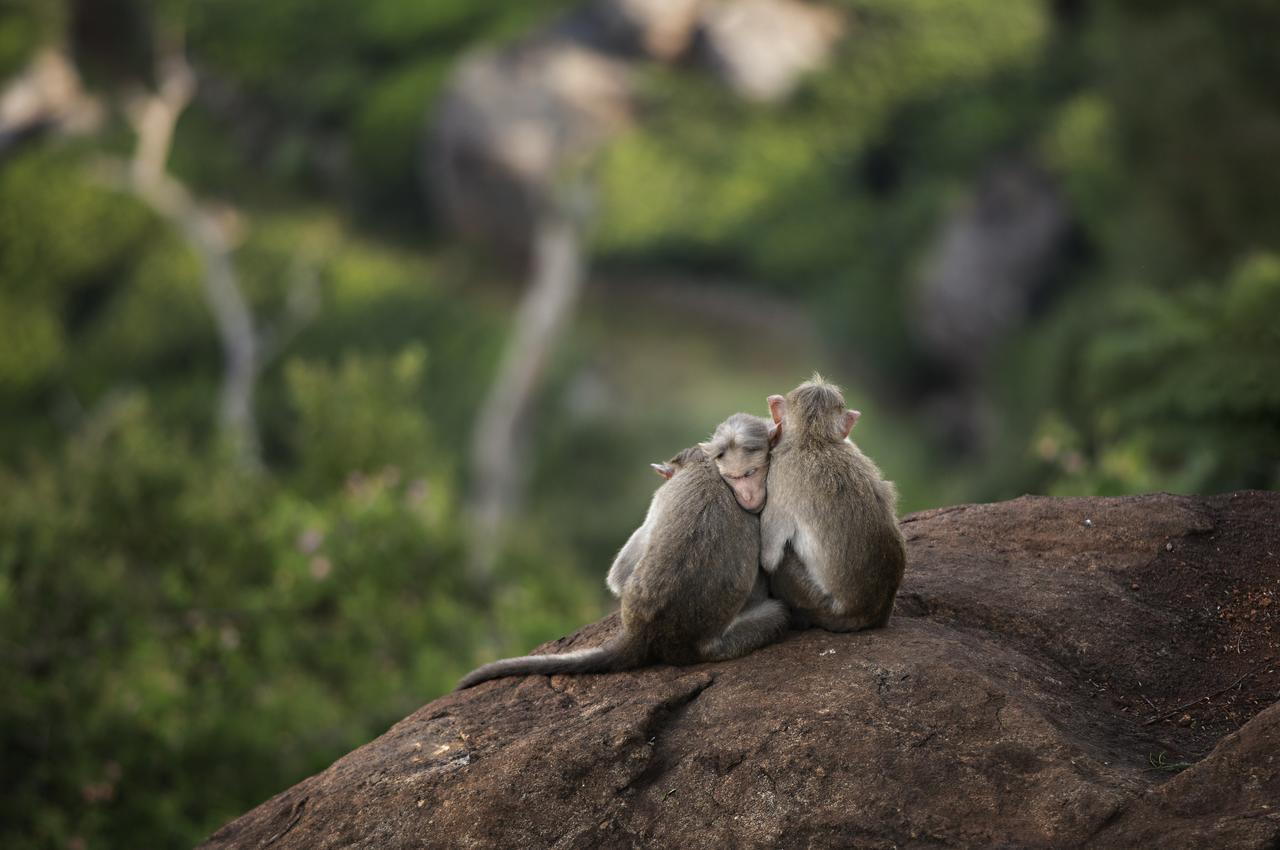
621	653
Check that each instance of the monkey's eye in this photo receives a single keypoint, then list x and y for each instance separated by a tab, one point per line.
748	473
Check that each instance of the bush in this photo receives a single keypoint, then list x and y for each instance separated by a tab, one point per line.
1168	391
179	639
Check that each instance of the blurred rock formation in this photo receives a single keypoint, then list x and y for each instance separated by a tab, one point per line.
515	121
47	95
762	49
992	261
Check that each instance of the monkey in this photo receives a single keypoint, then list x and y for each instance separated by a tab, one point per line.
685	578
739	448
829	536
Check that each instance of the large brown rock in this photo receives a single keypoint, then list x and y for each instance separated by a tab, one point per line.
1060	673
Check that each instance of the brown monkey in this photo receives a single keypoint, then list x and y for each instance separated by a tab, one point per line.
829	539
685	578
739	447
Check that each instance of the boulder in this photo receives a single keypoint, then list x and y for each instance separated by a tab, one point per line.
1059	673
512	123
761	49
517	124
990	263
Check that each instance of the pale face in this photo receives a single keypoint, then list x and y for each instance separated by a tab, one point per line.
745	473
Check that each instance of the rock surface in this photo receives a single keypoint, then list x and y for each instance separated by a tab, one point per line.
1059	673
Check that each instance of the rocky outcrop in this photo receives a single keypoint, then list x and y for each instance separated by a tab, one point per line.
516	124
761	49
1059	673
990	263
46	96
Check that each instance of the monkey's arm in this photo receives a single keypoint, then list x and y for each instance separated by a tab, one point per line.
756	626
625	563
776	529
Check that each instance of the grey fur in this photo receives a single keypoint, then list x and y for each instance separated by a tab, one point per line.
830	540
686	577
742	431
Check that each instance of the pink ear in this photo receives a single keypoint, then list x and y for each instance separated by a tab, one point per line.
847	421
777	408
663	469
775	434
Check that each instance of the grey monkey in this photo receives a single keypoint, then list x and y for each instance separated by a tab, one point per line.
739	448
685	578
829	537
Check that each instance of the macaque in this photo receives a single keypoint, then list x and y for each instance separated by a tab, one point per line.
687	579
829	537
739	447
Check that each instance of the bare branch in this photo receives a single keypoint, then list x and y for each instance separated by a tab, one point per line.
154	116
557	278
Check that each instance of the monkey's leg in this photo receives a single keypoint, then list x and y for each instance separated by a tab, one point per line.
846	623
625	563
755	627
870	610
791	583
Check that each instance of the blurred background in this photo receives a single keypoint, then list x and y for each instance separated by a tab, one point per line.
337	337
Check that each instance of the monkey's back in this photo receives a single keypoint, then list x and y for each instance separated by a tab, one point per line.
694	576
855	507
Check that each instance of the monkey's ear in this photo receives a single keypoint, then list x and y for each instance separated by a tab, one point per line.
775	434
706	450
847	420
666	470
777	408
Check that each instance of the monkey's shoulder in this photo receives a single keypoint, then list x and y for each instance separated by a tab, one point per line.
825	466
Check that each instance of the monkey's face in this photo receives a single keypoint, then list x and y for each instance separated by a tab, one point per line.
745	473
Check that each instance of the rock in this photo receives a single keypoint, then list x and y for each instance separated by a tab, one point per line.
511	123
1024	695
661	30
762	48
47	95
991	264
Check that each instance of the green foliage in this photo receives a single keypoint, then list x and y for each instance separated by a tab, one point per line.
1175	392
24	26
63	238
358	76
365	413
708	170
1198	119
386	139
831	194
179	640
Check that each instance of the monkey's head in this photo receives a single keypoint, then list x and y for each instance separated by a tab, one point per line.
677	463
739	447
815	408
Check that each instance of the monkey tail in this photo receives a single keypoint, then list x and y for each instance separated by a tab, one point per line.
621	653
